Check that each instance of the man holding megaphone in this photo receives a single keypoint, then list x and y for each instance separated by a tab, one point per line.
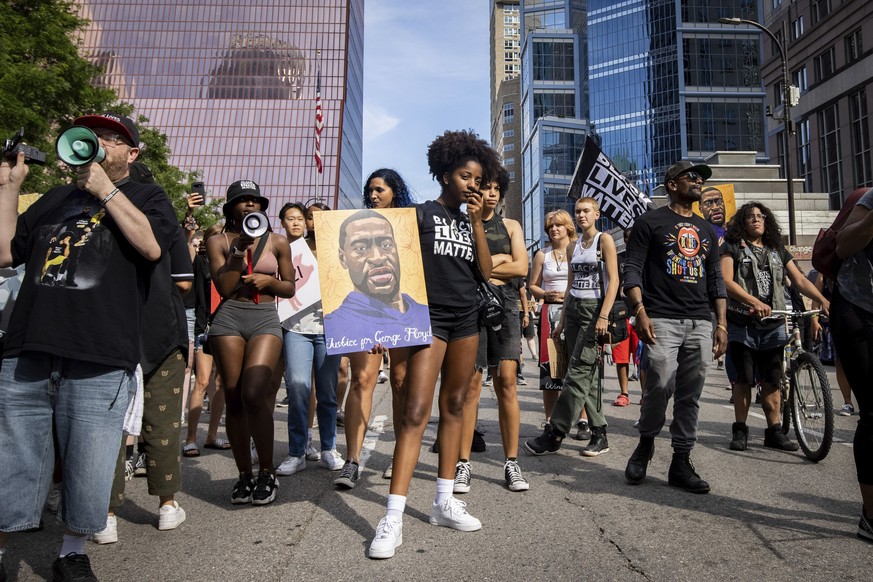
73	342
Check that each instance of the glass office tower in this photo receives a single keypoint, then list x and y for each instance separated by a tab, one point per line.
667	82
554	107
233	85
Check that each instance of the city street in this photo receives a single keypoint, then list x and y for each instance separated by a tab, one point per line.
770	516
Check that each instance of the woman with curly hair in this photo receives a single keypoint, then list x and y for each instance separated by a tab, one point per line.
245	336
455	257
384	188
755	264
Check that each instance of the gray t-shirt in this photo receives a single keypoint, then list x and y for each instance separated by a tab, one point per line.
855	278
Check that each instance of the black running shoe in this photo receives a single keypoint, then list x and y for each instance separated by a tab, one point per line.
545	444
242	491
865	529
348	476
265	488
73	568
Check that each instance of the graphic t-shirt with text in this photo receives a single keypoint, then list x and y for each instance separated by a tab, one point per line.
448	256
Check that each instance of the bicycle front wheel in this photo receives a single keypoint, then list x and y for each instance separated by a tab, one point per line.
811	406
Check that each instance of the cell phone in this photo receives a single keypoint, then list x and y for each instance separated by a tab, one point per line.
199	188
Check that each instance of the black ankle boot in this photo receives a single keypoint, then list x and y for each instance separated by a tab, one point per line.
598	443
740	436
683	475
774	438
635	471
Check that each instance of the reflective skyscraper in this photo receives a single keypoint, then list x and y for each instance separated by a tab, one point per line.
668	82
233	85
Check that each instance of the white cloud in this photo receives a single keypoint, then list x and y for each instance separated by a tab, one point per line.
377	122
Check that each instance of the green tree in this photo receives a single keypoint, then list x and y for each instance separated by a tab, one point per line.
44	82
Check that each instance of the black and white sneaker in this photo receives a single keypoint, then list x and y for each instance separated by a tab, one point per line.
514	480
282	403
545	444
462	478
265	488
242	491
865	529
348	476
73	567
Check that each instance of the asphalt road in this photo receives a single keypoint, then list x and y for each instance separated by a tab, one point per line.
770	516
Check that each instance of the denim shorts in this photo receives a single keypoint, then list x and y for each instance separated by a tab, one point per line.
505	343
189	318
756	338
246	320
86	402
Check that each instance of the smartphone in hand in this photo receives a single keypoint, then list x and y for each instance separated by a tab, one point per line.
198	194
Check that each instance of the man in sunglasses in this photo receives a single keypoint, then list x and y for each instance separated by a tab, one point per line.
74	342
673	278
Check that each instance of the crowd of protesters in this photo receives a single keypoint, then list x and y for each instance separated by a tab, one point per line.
77	388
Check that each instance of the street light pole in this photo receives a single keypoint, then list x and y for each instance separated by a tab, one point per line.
786	118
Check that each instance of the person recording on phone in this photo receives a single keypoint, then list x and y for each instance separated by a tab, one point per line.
68	372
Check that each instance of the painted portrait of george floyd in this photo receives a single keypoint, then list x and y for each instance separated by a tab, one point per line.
717	206
372	281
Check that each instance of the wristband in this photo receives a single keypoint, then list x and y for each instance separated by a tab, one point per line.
640	308
721	327
601	317
109	197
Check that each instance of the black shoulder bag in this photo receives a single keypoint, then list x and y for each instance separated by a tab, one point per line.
489	297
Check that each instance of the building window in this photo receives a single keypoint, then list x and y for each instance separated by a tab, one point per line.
820	9
511	176
511	19
824	65
804	167
508	147
860	139
777	3
554	104
510	44
510	56
509	162
829	149
553	60
511	69
797	28
508	112
508	133
510	32
774	48
854	47
778	94
799	78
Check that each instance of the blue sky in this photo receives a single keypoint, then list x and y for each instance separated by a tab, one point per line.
425	71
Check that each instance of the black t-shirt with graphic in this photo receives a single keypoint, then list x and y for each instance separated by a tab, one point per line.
85	284
447	255
674	259
166	326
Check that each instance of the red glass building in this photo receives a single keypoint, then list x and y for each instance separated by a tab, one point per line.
233	86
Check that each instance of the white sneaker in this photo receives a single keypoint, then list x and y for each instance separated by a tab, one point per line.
170	517
291	465
312	453
389	537
331	460
107	535
383	377
452	513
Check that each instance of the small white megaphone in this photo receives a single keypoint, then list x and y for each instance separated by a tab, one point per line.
78	146
255	224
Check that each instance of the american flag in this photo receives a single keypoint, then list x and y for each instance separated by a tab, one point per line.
319	123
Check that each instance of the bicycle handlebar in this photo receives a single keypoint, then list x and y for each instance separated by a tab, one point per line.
783	314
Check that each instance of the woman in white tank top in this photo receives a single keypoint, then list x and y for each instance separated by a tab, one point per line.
548	283
588	299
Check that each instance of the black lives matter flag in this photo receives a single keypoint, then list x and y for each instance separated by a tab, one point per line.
596	177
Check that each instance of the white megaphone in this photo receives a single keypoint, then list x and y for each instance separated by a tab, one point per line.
78	146
255	224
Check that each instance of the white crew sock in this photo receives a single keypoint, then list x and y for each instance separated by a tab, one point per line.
396	506
73	544
444	490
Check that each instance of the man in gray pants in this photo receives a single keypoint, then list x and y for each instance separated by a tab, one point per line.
673	280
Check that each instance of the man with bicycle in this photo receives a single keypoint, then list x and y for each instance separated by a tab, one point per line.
672	278
755	266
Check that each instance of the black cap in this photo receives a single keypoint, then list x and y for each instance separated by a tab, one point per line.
242	188
120	124
680	168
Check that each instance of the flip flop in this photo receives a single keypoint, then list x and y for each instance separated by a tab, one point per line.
220	444
190	450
